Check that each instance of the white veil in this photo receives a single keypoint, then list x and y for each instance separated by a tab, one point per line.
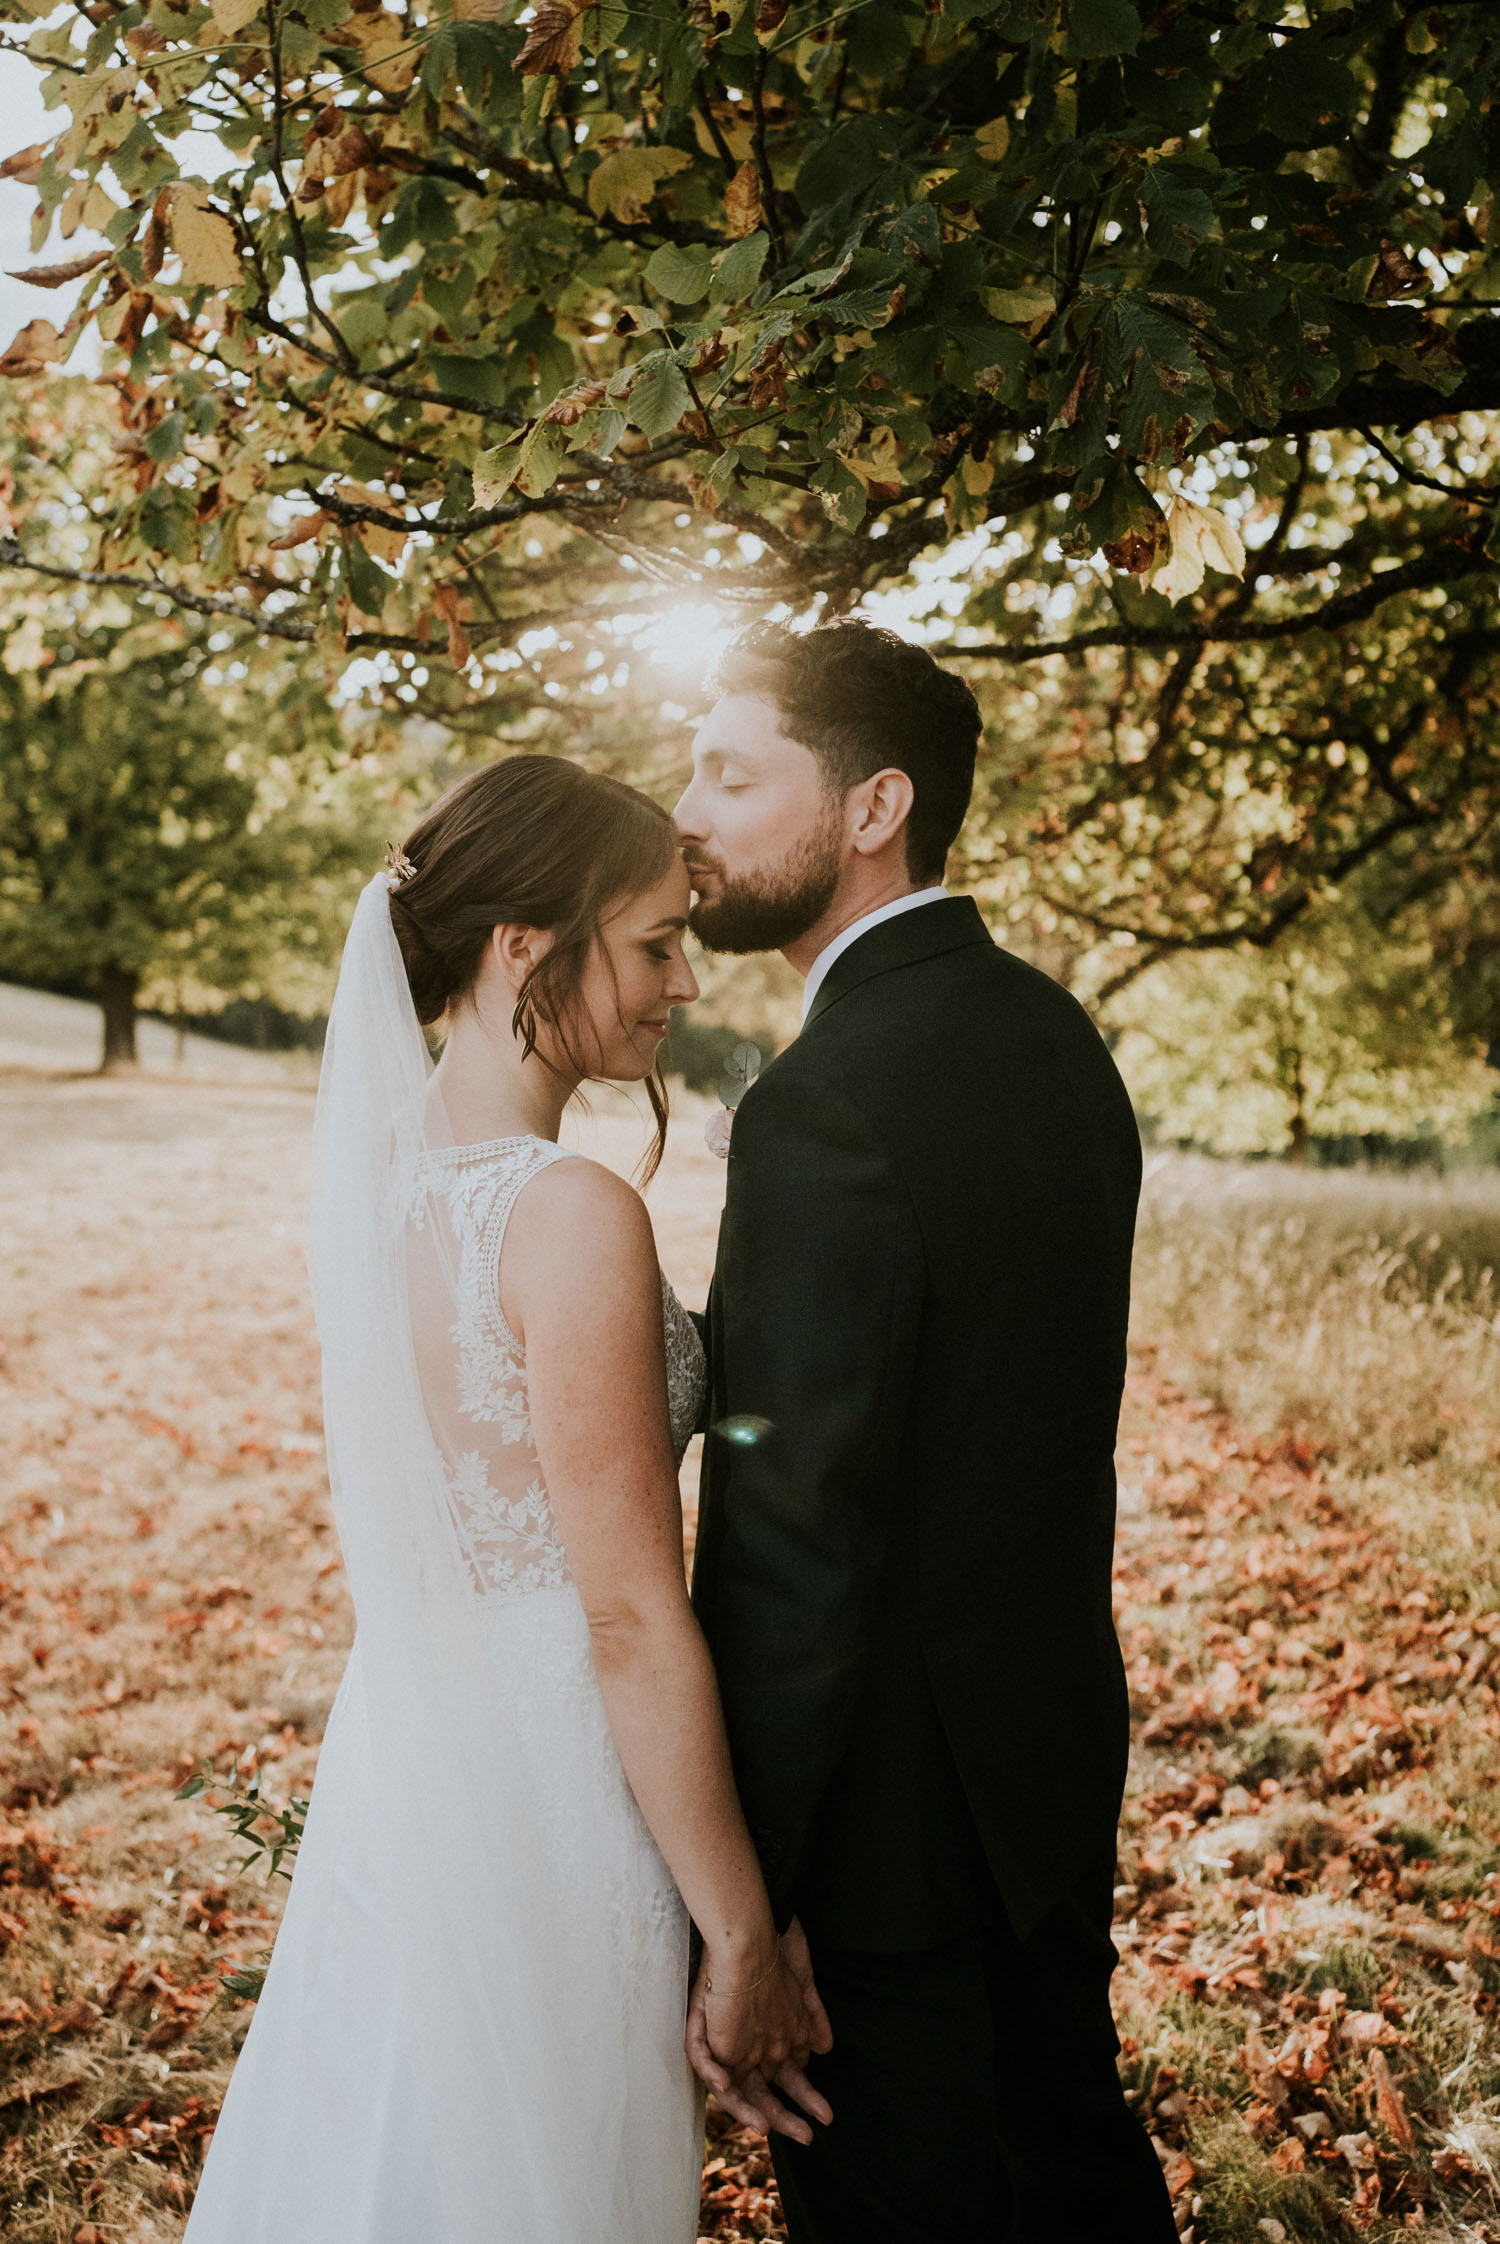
511	2008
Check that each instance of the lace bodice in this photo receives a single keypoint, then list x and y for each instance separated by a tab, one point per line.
473	1368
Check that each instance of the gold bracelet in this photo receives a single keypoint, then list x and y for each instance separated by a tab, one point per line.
710	1989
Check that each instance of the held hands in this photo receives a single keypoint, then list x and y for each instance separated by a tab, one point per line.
750	2030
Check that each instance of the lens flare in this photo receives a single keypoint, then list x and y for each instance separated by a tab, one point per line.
688	638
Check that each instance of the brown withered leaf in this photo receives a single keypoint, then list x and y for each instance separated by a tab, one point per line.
352	150
552	42
451	608
306	526
26	164
1390	2107
1395	273
154	240
742	205
770	16
37	346
564	411
1083	382
339	197
768	386
76	2017
1133	552
1365	2203
54	276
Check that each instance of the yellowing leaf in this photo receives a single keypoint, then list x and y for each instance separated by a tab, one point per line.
624	183
735	133
992	140
245	475
1018	307
204	240
99	89
385	543
382	36
231	16
1199	538
99	207
601	125
495	472
742	210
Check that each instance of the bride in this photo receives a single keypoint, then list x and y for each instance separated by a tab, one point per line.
472	2030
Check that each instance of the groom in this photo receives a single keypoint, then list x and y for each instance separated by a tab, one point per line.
903	1569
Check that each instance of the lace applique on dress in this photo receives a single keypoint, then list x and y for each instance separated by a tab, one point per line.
476	1388
687	1370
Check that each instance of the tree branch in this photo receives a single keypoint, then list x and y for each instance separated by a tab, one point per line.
1331	615
1472	494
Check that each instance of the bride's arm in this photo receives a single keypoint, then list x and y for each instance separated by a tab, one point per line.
581	1287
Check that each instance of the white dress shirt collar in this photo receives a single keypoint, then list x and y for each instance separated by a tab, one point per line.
836	949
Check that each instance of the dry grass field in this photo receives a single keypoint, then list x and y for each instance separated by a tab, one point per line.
1309	1590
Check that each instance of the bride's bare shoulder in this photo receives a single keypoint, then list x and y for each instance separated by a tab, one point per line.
577	1221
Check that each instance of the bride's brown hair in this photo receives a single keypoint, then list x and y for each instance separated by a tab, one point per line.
539	843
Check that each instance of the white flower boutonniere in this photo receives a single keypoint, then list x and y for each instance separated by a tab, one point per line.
740	1070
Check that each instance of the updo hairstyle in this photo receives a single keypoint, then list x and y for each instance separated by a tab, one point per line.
535	842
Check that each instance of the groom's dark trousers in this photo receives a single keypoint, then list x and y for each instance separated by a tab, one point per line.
916	1340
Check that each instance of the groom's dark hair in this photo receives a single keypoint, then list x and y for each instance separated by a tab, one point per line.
863	700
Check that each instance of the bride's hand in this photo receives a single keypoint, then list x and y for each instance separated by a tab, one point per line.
748	2028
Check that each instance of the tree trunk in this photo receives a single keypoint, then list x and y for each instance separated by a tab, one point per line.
1299	1113
117	995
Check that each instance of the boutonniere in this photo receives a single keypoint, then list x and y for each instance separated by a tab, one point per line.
740	1070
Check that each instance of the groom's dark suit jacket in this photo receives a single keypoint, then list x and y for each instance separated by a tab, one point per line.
904	1577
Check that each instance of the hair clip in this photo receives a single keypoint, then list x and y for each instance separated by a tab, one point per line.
399	868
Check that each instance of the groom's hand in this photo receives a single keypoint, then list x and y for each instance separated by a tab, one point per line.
794	1953
757	2106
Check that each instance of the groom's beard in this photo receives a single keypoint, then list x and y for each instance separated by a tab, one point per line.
766	909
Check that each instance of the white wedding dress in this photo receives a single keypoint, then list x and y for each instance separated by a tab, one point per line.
471	2031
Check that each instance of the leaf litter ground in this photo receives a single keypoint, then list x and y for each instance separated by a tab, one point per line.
1308	1906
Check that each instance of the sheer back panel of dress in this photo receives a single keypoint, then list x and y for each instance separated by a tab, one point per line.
472	1366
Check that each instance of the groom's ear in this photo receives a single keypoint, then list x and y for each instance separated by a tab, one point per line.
878	809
